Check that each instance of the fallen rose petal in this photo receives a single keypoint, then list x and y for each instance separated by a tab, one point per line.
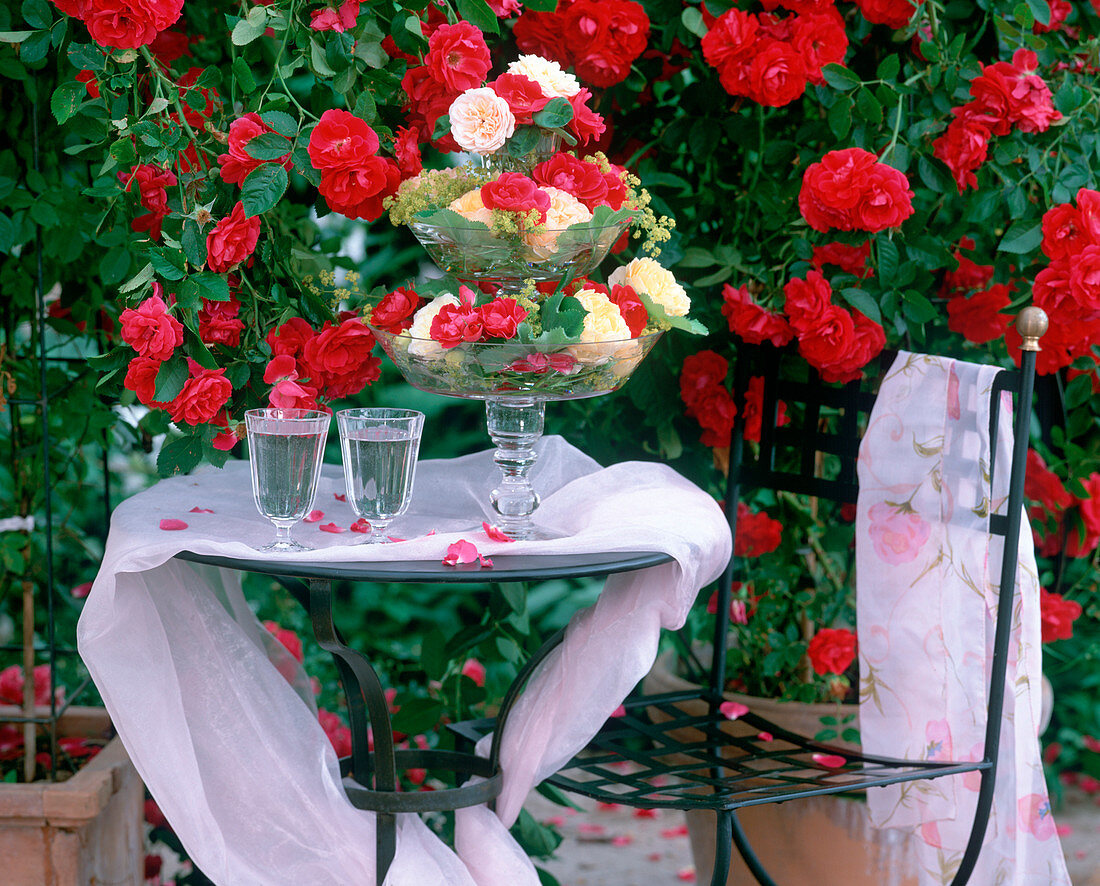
314	517
461	551
765	736
686	874
555	821
593	829
395	538
331	527
485	562
339	497
608	807
654	856
172	524
360	525
81	590
620	711
494	533
647	813
198	510
622	840
832	761
669	833
1064	830
731	710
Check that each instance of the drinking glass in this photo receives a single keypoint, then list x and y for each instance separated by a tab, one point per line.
285	448
379	446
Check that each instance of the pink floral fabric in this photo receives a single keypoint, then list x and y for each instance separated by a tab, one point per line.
928	572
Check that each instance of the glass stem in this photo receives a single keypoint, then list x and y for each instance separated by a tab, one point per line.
282	533
515	426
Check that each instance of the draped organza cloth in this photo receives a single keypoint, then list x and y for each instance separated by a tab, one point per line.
927	576
219	719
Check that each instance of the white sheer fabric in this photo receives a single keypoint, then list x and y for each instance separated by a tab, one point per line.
233	752
927	576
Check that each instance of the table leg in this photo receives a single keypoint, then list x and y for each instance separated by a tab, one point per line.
367	708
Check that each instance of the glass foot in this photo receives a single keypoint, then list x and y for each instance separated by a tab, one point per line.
281	545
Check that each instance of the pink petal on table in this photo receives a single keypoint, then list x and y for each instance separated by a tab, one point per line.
494	533
686	874
172	524
622	840
832	761
653	856
314	517
1064	830
608	807
669	833
555	820
731	710
360	525
647	813
395	538
339	497
461	551
485	562
198	510
620	711
593	829
765	736
331	527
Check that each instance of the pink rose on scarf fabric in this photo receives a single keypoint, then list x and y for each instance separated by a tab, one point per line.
938	735
1035	817
896	534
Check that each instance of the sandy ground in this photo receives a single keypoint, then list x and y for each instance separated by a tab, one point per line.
617	847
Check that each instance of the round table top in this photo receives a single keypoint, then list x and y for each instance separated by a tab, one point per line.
506	567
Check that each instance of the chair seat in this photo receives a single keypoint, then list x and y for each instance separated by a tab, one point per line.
658	756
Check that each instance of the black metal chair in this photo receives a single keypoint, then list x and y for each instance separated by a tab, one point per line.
678	760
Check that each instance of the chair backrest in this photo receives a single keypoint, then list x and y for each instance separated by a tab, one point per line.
808	444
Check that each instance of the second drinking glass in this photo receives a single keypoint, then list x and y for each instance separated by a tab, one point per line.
379	448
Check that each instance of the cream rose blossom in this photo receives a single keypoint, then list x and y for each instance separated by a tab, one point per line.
471	206
555	82
648	276
420	333
565	210
603	322
481	120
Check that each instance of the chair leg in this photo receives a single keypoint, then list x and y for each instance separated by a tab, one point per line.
978	829
741	841
722	838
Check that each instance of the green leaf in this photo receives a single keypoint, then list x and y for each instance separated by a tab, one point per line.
692	20
868	107
114	265
267	146
1022	237
657	314
243	72
918	308
263	188
442	126
180	455
318	61
888	260
523	140
840	117
36	13
302	164
35	47
536	839
417	715
515	594
281	122
138	280
193	243
509	649
862	302
697	257
563	312
170	378
211	286
478	12
366	108
888	68
196	349
251	27
934	177
839	77
1023	15
1040	11
66	100
15	36
557	113
168	263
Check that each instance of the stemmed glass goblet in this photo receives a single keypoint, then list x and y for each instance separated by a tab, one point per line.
285	449
379	447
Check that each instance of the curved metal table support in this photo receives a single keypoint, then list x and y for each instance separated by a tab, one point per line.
370	778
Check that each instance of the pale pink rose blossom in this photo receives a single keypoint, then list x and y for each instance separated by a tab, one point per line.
481	120
897	536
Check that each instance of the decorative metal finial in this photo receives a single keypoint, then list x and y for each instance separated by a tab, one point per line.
1032	324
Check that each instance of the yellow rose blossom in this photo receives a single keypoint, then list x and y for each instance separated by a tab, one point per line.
471	206
648	276
565	210
603	323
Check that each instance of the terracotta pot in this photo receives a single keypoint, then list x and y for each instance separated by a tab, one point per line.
83	831
827	841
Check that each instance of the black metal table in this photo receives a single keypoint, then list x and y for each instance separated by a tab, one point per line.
370	777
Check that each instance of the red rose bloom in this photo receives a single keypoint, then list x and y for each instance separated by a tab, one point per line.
715	412
730	42
151	330
340	140
967	277
1084	282
701	371
964	147
1090	514
515	192
524	96
825	337
868	342
290	338
456	324
630	306
358	192
501	317
850	190
203	394
892	13
394	312
406	151
978	318
428	100
806	300
777	74
238	163
821	39
586	123
141	378
1042	485
1058	615
754	413
757	533
540	33
458	57
219	323
339	358
128	24
852	259
232	240
750	321
1064	233
606	36
831	650
578	177
152	182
